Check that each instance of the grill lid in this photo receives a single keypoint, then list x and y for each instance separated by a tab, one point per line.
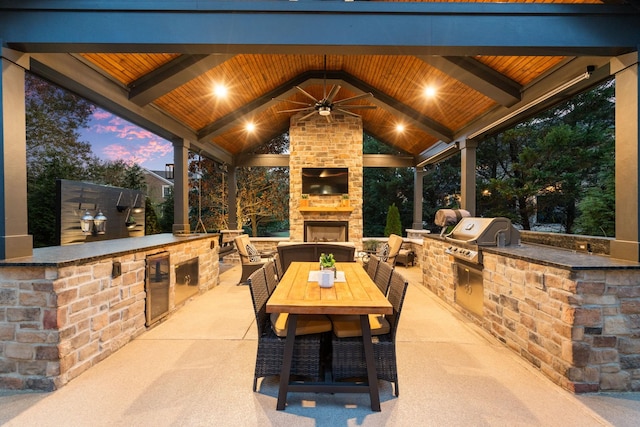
484	231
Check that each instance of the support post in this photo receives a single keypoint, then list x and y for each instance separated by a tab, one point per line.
627	246
14	228
468	176
418	182
181	187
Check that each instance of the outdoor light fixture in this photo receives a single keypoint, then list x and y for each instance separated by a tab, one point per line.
86	223
99	223
442	155
551	93
90	224
168	170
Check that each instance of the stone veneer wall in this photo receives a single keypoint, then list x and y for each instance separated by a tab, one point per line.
316	143
581	328
58	321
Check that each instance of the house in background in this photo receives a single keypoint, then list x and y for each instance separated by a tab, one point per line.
159	185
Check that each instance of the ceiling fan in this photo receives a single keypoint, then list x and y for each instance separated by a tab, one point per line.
326	105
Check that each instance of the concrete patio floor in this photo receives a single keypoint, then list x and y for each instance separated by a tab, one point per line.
196	369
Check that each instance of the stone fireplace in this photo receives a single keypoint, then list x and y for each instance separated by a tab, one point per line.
315	142
326	231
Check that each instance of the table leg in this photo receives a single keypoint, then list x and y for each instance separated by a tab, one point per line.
372	375
287	358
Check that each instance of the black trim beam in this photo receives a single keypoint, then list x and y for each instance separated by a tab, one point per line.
478	76
369	161
172	75
412	28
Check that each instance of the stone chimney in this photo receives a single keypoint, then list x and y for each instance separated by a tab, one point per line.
315	142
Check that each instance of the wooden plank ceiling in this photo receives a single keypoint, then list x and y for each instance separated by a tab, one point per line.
251	77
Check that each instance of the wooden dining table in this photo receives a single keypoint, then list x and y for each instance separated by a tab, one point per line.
354	293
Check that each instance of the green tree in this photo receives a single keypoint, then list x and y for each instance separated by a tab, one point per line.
394	226
166	216
556	157
53	120
151	223
54	151
440	189
383	187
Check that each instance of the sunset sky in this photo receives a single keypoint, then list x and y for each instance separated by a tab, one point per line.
113	138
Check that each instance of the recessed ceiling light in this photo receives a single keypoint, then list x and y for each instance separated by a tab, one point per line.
400	128
429	91
250	127
220	91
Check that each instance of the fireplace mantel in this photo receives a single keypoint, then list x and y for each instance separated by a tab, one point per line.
326	209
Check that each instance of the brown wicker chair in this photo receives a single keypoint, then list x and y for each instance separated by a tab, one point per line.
271	276
348	360
306	351
372	266
248	265
383	277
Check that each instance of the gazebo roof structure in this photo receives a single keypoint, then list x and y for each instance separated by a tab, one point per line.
154	63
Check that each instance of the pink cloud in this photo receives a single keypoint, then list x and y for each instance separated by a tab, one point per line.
127	142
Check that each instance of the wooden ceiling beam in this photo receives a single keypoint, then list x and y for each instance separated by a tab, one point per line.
396	107
172	75
354	84
478	76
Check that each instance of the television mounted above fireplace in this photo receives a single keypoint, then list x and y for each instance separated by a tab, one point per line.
325	181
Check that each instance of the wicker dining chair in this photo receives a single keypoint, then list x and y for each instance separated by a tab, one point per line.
383	276
269	357
271	276
372	266
348	361
278	265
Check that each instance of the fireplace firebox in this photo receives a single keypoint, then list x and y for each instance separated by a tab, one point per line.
326	231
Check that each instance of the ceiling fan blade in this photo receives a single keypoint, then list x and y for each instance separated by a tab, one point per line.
297	110
307	116
364	95
347	112
332	93
365	107
291	101
307	94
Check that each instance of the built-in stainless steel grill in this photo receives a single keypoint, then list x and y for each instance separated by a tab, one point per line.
472	233
466	241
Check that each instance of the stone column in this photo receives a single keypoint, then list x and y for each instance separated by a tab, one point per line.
468	176
626	245
418	180
181	187
14	238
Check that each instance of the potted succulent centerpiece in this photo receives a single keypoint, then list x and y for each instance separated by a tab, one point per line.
328	262
345	200
304	200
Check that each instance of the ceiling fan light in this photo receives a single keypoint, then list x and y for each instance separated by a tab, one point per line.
324	111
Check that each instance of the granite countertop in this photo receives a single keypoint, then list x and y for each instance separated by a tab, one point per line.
59	256
557	257
562	258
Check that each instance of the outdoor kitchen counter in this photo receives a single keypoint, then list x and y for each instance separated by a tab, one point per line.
555	257
60	256
561	258
66	308
572	315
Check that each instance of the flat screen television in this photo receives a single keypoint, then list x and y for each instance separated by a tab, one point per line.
325	181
